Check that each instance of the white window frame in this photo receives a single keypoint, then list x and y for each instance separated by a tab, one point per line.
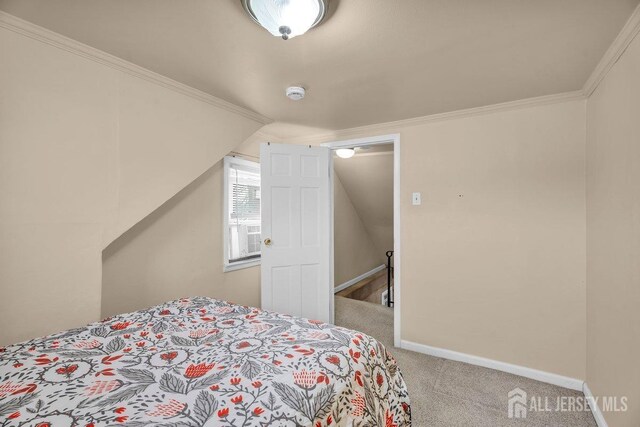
228	162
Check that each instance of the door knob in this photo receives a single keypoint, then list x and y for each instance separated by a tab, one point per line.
267	241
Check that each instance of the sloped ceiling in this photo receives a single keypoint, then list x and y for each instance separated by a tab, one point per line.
372	61
368	181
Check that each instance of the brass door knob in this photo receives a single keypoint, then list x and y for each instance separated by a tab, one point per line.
267	241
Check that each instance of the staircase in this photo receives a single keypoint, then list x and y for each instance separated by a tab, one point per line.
369	289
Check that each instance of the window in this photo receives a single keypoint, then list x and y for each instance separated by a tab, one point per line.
241	213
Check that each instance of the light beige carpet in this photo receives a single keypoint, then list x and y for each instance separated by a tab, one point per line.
447	393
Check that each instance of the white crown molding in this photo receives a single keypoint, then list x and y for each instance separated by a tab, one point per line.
260	134
391	127
534	374
43	35
615	51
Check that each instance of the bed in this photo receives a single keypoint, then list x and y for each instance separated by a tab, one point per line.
202	362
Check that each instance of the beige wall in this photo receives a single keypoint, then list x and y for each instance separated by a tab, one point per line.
368	181
613	237
354	250
86	151
174	252
177	250
493	261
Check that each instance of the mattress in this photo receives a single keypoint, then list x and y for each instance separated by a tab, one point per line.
202	362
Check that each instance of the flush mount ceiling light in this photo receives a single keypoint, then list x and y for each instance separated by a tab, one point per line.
286	18
345	153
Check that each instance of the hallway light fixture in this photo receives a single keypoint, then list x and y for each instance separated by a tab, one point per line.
345	153
286	18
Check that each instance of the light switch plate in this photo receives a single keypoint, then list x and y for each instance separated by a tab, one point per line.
416	199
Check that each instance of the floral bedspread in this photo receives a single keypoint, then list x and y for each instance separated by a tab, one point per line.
202	362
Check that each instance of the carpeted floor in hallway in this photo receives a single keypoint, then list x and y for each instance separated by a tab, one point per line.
446	393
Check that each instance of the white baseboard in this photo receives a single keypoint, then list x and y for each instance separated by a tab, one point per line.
547	377
593	405
355	280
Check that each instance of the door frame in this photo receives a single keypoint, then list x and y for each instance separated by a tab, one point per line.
362	142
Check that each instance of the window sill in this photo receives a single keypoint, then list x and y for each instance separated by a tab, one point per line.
241	264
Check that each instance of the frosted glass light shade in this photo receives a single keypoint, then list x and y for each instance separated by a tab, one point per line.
345	153
286	18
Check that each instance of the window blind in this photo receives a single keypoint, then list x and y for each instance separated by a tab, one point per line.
244	212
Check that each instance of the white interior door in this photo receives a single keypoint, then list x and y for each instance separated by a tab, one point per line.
297	266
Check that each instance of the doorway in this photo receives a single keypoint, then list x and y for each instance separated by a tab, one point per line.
381	156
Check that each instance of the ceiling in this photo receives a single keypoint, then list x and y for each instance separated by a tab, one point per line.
372	61
367	179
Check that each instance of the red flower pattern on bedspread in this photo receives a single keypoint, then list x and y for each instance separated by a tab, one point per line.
202	362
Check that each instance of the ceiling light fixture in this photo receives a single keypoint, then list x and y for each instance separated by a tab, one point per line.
286	18
345	153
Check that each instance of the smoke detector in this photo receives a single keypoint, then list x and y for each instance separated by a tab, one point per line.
295	92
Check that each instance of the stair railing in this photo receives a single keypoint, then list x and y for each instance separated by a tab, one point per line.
389	276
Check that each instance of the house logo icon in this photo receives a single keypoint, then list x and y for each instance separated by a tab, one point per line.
517	403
